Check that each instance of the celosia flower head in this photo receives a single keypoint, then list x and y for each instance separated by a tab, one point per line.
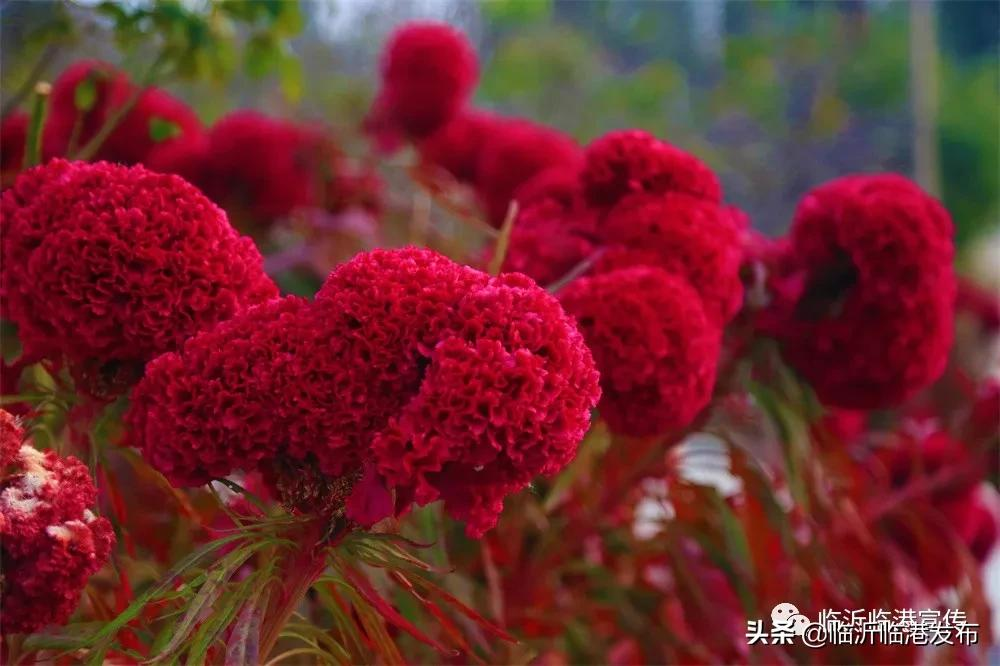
107	264
156	117
434	379
11	437
653	344
428	72
557	187
516	151
261	168
457	145
696	239
867	316
51	543
627	161
548	242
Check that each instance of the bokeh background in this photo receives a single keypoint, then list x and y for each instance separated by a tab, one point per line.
777	95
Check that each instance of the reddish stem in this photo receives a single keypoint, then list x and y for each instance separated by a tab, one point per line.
298	572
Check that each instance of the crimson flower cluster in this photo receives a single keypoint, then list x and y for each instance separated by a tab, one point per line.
108	266
50	541
69	127
629	198
261	169
412	376
258	168
663	279
864	291
428	73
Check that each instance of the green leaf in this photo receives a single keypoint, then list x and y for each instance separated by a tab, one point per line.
85	94
291	77
161	129
263	55
39	110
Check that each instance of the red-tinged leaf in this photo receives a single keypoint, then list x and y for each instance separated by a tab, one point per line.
387	611
343	615
123	593
102	611
444	621
486	625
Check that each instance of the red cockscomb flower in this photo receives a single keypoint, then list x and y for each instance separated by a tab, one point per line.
131	141
557	186
867	317
13	139
506	396
693	238
110	265
547	242
517	151
263	166
626	161
456	147
224	400
369	376
428	72
11	437
655	348
50	542
261	169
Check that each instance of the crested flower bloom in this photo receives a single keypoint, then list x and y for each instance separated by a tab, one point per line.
428	72
157	118
626	161
51	542
866	312
558	186
193	428
408	375
694	238
547	242
109	265
516	151
292	166
13	139
457	145
653	344
11	437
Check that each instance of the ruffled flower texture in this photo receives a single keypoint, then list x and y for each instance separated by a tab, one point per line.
627	161
50	541
690	237
866	316
435	379
261	169
656	348
108	266
68	128
517	151
428	72
637	215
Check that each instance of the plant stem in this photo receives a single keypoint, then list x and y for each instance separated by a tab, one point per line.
29	84
299	571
